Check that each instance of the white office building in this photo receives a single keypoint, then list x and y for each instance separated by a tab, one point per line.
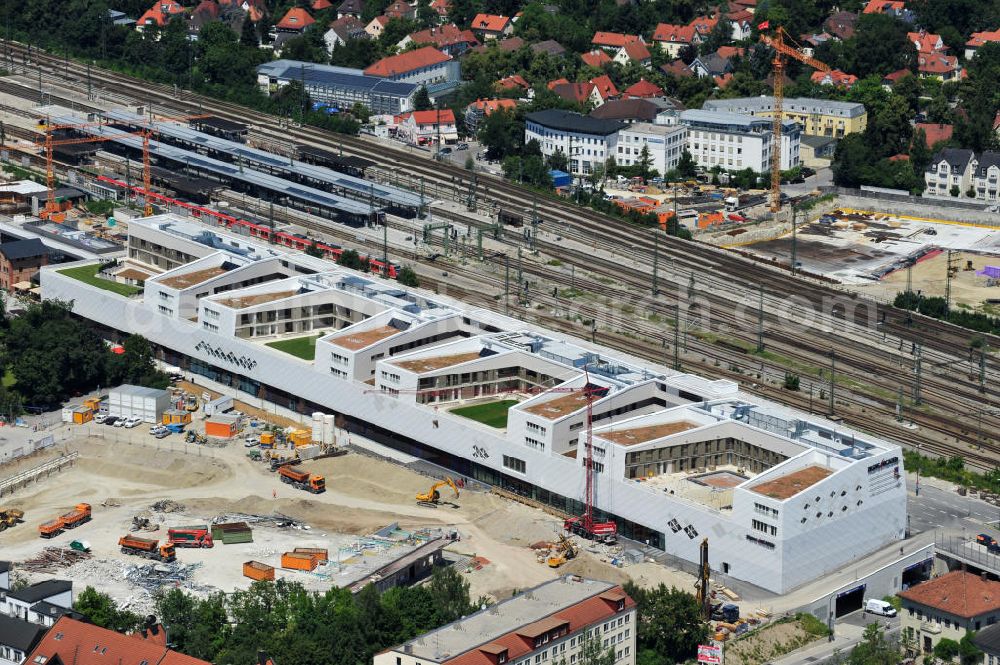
665	143
587	142
784	497
735	142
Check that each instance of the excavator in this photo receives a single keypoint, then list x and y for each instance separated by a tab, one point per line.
564	551
433	496
10	517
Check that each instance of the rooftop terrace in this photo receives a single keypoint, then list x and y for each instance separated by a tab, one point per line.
560	406
362	338
422	365
242	302
189	279
790	484
637	435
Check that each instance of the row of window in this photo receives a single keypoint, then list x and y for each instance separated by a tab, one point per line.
386	376
514	464
763	527
765	510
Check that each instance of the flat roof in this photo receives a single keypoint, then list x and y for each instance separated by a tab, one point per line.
438	362
792	104
242	302
574	122
362	338
193	277
637	435
560	406
331	76
790	484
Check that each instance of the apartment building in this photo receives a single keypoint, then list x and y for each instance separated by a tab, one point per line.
948	607
548	624
664	143
735	142
587	142
817	117
950	173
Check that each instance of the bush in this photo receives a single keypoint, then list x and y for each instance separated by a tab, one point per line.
791	381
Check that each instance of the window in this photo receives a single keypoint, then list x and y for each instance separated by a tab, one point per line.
514	464
534	444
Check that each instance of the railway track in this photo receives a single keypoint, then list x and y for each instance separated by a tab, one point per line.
935	337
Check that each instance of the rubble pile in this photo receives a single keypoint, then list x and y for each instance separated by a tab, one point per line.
52	559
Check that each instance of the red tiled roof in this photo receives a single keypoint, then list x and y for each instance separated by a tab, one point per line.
728	52
399	9
488	106
444	117
615	39
724	80
959	593
442	7
894	77
320	5
643	89
553	83
573	92
935	131
668	32
295	18
739	16
208	8
514	81
996	122
395	65
382	19
936	63
490	22
444	35
835	77
77	642
979	38
677	68
926	42
585	613
842	24
882	6
636	51
596	58
704	24
605	86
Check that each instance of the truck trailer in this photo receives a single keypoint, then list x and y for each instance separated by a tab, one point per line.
190	536
79	515
302	480
148	548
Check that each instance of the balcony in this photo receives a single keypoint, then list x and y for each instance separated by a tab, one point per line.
930	627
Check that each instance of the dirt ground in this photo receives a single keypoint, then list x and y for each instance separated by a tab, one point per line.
363	494
767	643
930	277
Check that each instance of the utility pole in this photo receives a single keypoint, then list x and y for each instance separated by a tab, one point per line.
385	245
982	371
833	378
506	284
947	288
656	261
916	381
794	211
760	320
89	96
909	277
520	273
534	223
421	195
677	339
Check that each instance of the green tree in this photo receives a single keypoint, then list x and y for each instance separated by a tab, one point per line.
686	166
349	258
558	160
314	250
248	34
502	133
850	161
422	100
670	625
407	277
644	165
873	649
361	112
102	611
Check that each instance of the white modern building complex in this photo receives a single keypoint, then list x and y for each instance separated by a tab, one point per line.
338	87
550	623
664	144
587	142
735	142
817	117
785	498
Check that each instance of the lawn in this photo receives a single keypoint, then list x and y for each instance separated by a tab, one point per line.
493	414
302	347
88	275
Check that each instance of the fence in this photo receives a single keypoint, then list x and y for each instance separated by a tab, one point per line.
17	481
968	551
916	206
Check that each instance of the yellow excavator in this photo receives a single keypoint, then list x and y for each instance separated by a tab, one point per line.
564	551
10	517
433	496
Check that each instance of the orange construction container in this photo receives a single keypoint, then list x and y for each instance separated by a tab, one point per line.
300	437
222	429
267	438
320	553
176	417
82	415
256	570
299	561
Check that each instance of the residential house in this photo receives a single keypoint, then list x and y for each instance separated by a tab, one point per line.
587	142
841	25
376	26
749	5
508	45
951	169
549	46
320	5
927	42
634	52
19	603
575	93
986	176
427	127
353	8
344	29
596	58
159	14
939	66
711	64
401	10
480	109
740	25
948	606
20	261
656	110
120	18
295	21
978	39
835	78
722	80
517	83
674	38
446	38
703	25
71	641
891	79
255	10
677	68
987	640
996	124
934	132
423	66
811	42
206	12
613	41
442	7
604	89
492	26
817	151
643	89
551	85
17	639
894	8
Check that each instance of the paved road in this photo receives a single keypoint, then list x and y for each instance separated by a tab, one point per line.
938	508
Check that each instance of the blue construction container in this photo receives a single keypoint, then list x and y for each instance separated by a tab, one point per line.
560	178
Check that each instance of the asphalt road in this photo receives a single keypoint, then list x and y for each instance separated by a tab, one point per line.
936	508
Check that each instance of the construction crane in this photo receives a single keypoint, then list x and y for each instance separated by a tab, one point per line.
433	495
781	52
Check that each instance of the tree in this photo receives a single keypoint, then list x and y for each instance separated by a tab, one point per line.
248	34
422	100
644	165
407	277
102	611
558	160
720	35
314	250
502	133
361	112
873	649
880	46
670	624
686	166
349	258
850	161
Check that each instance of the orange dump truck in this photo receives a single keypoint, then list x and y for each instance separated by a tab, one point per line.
302	480
51	528
256	570
299	561
79	515
148	548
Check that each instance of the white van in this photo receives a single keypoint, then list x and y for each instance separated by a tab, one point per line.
880	607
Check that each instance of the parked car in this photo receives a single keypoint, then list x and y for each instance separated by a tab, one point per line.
156	429
462	146
880	607
162	434
111	420
100	418
120	422
133	422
